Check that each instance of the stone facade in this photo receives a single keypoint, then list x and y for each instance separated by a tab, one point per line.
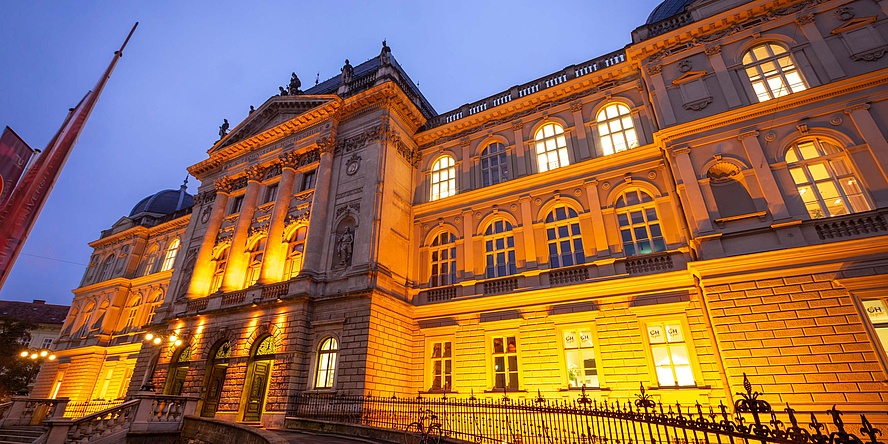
708	202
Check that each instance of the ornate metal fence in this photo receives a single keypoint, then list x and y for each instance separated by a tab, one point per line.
640	421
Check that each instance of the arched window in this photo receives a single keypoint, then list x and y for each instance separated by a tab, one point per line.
824	179
131	310
639	224
326	369
295	253
499	249
563	236
150	261
551	147
443	178
107	268
772	71
254	266
494	167
83	322
99	317
219	272
171	252
443	260
616	129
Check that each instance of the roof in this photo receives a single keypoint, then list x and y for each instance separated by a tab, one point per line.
38	311
164	202
666	9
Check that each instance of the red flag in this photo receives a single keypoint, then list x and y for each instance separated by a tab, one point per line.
24	205
14	156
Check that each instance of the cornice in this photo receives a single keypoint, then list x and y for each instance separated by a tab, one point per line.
387	94
281	131
565	93
140	230
834	92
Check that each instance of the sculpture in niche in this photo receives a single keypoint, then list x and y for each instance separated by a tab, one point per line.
345	246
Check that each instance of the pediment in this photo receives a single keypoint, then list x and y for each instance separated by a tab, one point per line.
272	113
688	76
853	23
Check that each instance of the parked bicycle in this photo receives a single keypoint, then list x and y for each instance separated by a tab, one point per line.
425	431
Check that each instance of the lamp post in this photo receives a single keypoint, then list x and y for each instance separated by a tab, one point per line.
34	358
159	339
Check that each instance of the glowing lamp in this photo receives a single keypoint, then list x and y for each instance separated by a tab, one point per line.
43	353
149	336
178	342
173	338
24	354
157	340
52	357
33	355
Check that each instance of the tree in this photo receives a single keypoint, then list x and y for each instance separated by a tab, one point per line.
15	371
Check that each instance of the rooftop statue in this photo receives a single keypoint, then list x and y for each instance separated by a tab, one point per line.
283	91
294	85
223	129
348	72
385	56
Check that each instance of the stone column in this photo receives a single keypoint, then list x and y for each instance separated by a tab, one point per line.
530	255
464	166
275	247
870	132
598	231
762	169
660	95
469	247
583	149
723	76
318	222
688	177
237	263
520	161
832	66
202	276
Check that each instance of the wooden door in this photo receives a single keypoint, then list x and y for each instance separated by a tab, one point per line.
213	391
256	396
176	381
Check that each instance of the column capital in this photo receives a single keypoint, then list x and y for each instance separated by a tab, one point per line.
713	50
805	19
747	133
654	69
326	143
678	150
223	185
593	182
576	106
290	160
856	107
517	125
255	173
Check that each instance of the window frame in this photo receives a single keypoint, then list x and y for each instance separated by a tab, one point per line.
540	140
237	204
435	248
688	342
610	148
828	161
491	356
642	206
171	253
596	351
757	97
442	177
430	358
255	259
332	358
293	242
554	227
501	169
510	251
309	180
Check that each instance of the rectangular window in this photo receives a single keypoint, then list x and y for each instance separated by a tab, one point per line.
441	366
271	193
236	205
877	312
579	358
308	180
47	343
505	362
670	353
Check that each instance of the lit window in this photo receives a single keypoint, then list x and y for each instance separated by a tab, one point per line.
171	252
579	357
494	168
254	266
772	72
150	260
155	302
326	369
551	147
237	204
639	224
877	312
107	268
824	179
563	234
131	310
441	366
308	180
295	253
271	193
219	271
670	353
443	260
47	343
505	362
443	178
499	249
615	128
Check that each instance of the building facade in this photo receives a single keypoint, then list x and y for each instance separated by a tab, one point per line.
707	202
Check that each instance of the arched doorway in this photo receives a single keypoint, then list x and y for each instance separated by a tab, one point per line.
178	370
259	372
215	380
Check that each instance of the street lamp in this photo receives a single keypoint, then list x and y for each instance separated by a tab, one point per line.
36	357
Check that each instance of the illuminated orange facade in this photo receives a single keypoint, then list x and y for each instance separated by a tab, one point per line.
707	202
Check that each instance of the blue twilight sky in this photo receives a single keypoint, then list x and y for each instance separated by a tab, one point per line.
192	63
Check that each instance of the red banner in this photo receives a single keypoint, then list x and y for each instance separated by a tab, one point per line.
14	156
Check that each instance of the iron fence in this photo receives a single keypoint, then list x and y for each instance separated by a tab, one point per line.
587	421
76	410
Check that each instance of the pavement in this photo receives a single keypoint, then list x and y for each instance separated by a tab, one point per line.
297	437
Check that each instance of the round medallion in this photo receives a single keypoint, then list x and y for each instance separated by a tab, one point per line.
205	215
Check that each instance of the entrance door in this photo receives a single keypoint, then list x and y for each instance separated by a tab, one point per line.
213	390
177	380
258	384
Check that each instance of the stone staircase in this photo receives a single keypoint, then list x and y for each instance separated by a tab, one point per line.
20	435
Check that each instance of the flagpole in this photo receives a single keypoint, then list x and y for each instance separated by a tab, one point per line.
24	205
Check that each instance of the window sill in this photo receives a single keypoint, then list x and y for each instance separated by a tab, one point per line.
680	387
588	389
499	390
439	392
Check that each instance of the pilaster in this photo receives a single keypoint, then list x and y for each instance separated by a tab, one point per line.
762	169
202	276
237	262
722	75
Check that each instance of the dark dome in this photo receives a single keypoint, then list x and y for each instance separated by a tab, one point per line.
164	202
667	9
